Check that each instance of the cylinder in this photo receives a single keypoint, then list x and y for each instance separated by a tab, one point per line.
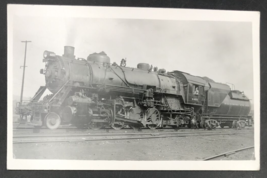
67	113
69	51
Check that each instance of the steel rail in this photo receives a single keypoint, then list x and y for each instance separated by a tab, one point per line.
75	128
104	129
31	128
227	153
124	134
30	132
119	138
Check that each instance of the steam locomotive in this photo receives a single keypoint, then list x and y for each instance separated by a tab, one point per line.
94	93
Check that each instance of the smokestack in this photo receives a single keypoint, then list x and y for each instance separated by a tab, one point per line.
69	51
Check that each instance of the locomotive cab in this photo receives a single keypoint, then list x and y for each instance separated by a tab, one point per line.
194	88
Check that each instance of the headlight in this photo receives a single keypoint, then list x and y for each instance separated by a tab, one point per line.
48	54
45	54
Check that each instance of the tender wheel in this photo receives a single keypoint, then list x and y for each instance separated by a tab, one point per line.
214	123
207	125
211	124
153	118
242	124
117	125
52	121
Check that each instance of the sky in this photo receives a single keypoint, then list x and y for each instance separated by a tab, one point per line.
220	50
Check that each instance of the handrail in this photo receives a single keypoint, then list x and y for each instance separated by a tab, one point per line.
120	77
58	91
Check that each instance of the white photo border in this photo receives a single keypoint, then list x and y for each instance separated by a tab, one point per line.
134	13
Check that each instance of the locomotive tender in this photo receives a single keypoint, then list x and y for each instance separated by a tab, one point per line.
94	93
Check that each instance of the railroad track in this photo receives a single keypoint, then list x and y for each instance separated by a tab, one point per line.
130	132
22	126
17	126
112	131
224	154
37	138
73	128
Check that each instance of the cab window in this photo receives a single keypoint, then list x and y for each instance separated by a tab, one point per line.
196	90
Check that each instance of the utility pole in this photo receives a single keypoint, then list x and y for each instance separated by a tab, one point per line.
22	86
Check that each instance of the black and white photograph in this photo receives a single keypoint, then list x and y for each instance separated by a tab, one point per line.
117	88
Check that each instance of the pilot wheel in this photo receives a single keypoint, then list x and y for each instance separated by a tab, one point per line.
52	120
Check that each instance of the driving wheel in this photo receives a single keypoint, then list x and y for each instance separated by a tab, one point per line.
153	118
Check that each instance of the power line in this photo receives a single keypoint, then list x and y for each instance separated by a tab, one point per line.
23	76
